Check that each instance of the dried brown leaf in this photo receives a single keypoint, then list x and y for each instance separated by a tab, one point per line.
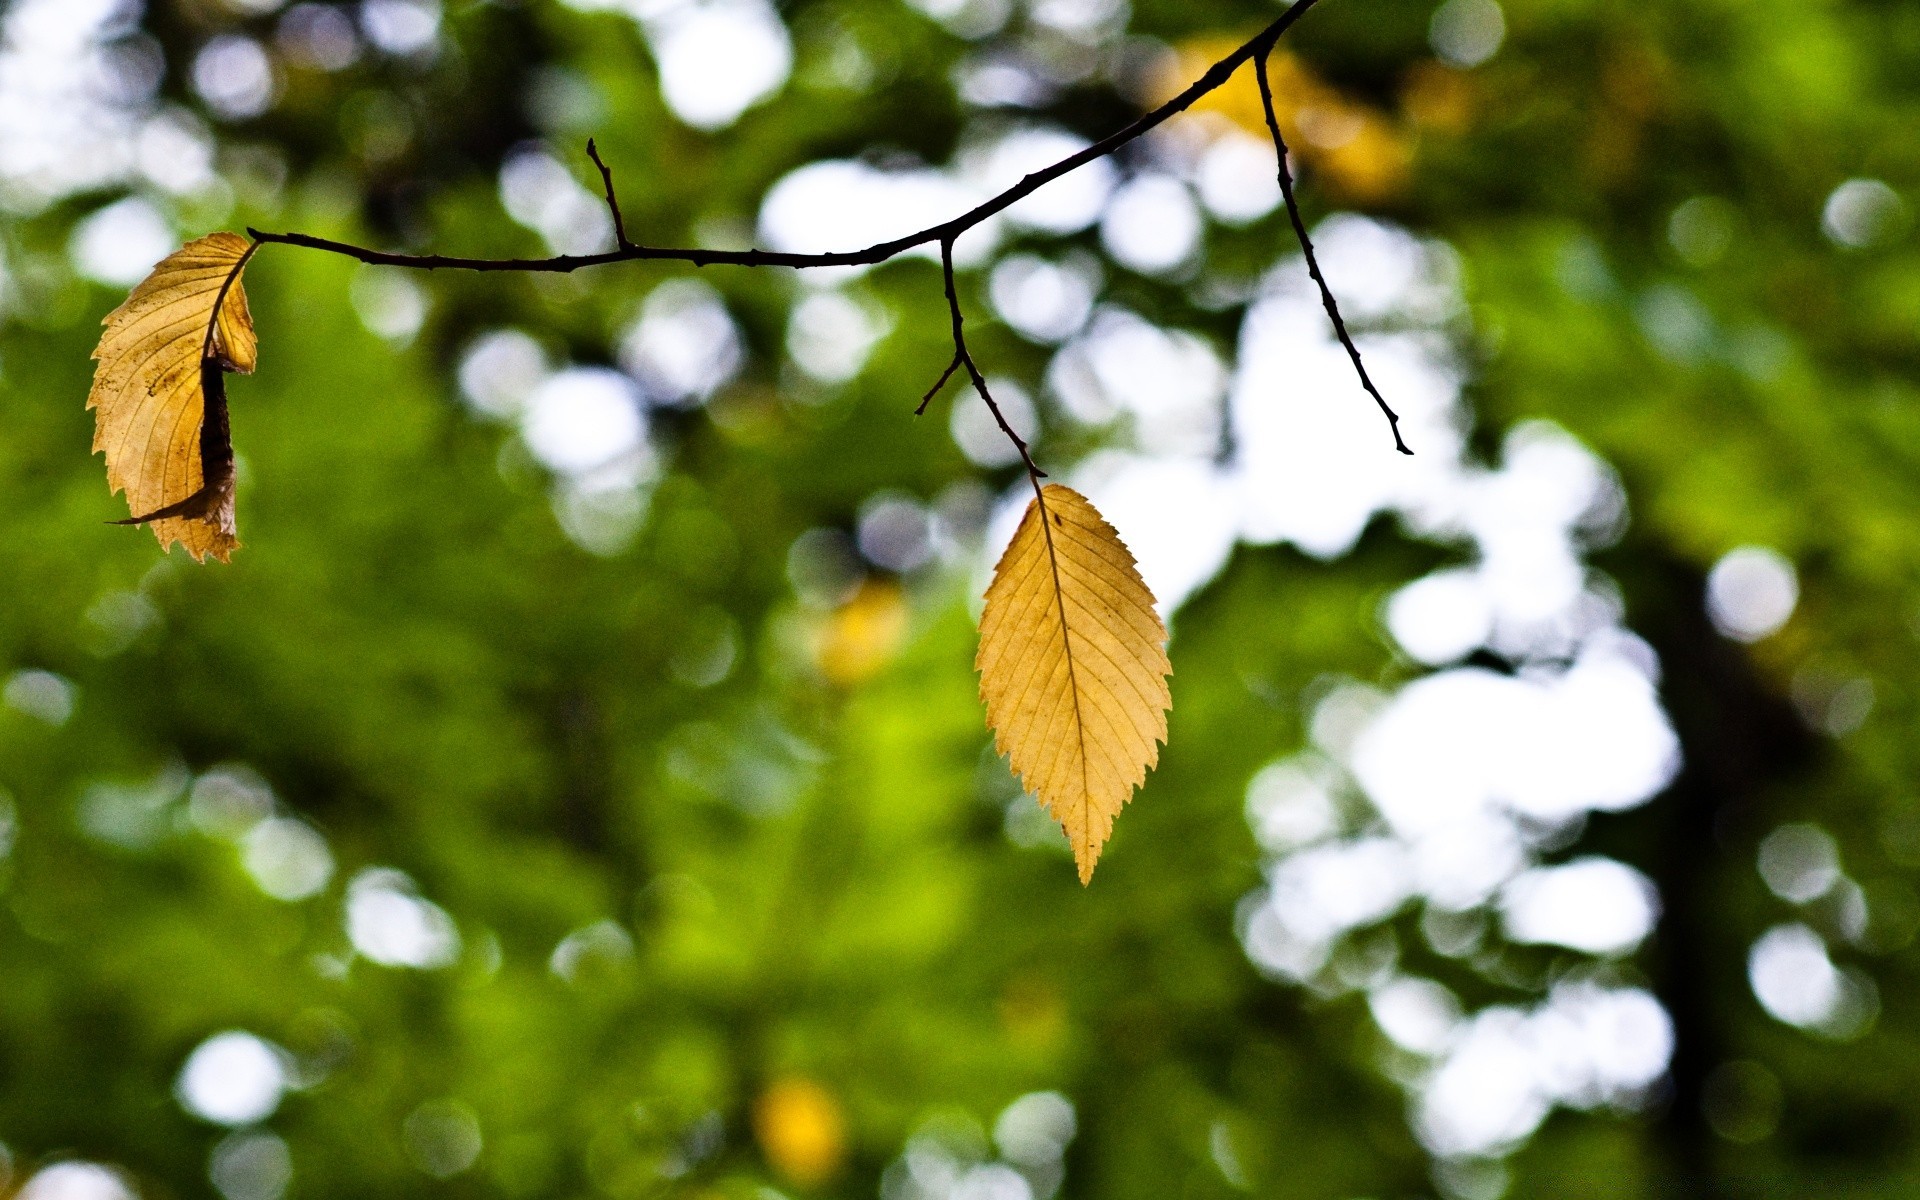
1073	668
160	407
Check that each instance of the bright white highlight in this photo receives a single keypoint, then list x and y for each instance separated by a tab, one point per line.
235	77
500	370
287	859
1043	301
1175	514
78	109
401	27
1441	617
1447	792
1862	213
831	335
76	1181
1595	905
1318	894
540	193
1152	225
388	303
1065	205
120	243
1798	984
833	206
175	153
1289	805
1751	593
1584	1047
582	418
1799	862
1415	1014
684	347
1467	33
980	437
1462	741
1238	179
1310	466
1170	382
391	925
719	58
1035	1129
841	205
233	1078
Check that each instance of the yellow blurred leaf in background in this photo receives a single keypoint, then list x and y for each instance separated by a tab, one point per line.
1361	152
1437	97
861	636
1073	667
801	1131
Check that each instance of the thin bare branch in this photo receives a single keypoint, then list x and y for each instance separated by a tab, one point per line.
1306	248
613	203
879	252
1256	48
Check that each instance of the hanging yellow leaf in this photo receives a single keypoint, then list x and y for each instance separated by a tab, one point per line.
1072	667
160	406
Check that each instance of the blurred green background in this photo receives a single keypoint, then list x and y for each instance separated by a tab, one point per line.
576	785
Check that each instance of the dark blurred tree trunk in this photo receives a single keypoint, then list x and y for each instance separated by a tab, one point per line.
1740	741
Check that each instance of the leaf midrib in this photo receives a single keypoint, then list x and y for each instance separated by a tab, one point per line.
1073	683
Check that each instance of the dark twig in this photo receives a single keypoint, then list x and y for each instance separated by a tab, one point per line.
937	385
1306	247
613	205
963	357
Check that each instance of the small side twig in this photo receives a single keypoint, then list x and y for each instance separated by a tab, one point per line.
1306	246
613	204
939	383
963	357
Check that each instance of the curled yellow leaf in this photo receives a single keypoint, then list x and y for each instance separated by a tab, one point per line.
1073	667
160	407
